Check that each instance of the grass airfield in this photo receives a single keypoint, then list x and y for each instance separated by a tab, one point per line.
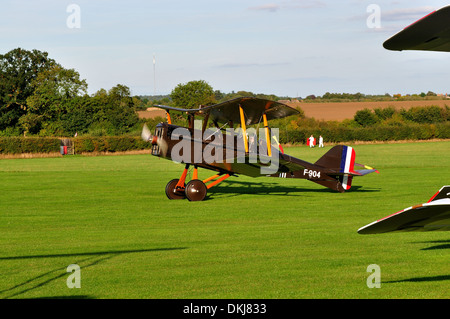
251	238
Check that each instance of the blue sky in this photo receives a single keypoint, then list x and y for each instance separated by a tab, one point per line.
288	48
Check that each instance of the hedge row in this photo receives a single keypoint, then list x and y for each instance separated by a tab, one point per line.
375	133
109	144
18	145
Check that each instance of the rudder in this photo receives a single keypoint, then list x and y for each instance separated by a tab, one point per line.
341	159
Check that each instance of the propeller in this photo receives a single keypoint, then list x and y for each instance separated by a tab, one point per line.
147	136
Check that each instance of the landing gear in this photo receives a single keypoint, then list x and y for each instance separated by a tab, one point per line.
196	190
174	192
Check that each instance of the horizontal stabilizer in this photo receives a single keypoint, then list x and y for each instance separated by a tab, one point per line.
363	172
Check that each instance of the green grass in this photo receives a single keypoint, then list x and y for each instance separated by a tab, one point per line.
251	238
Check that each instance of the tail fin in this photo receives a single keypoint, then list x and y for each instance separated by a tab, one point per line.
340	159
444	192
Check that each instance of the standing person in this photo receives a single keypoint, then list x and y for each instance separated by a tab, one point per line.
320	141
311	141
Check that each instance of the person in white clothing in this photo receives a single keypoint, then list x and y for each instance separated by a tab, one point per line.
320	141
311	141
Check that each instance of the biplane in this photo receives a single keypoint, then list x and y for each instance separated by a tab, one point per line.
431	33
430	216
232	152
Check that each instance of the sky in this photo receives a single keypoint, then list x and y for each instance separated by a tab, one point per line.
289	48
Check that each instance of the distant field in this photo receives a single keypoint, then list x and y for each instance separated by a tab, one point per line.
152	113
251	238
346	110
336	111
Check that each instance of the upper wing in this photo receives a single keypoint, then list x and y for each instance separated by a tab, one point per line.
253	108
431	33
433	215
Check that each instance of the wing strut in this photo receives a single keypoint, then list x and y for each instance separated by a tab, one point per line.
244	129
266	128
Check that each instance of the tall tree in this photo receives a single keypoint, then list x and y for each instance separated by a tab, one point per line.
53	91
18	68
113	111
193	94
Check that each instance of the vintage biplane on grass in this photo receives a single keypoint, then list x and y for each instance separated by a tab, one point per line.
229	151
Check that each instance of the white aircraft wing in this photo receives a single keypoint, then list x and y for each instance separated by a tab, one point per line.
430	216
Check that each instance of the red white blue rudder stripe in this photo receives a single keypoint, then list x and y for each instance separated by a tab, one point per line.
347	159
347	166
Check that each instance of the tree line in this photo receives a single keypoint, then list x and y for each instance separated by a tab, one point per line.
360	97
38	96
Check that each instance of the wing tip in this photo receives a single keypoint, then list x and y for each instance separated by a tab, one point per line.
413	37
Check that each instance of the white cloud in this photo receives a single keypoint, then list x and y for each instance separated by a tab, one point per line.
266	7
293	4
246	65
305	4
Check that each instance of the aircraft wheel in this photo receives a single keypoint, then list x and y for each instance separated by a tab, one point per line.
173	193
196	190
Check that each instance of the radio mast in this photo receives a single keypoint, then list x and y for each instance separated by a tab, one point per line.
154	74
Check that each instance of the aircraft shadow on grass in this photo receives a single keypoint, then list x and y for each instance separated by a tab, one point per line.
443	244
93	258
420	279
237	188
